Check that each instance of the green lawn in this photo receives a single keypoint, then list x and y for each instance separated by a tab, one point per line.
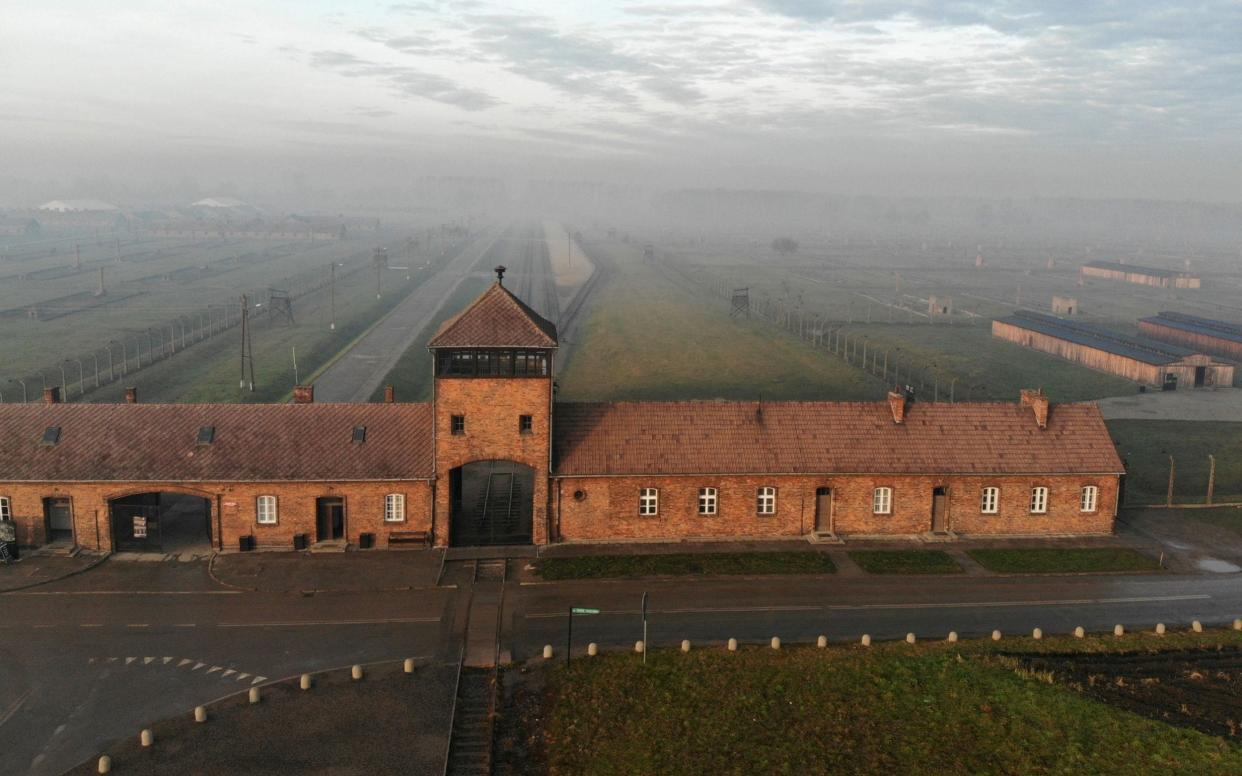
1053	560
891	709
1146	445
1225	517
681	564
905	562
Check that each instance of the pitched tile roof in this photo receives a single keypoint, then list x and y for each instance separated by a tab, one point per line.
722	437
252	442
497	319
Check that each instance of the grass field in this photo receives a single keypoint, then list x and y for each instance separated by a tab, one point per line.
1224	517
905	562
681	564
648	337
1146	445
930	708
1056	560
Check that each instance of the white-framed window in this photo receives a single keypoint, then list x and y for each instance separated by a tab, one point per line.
707	501
649	501
766	501
882	501
6	508
1039	500
394	508
265	510
1089	499
989	501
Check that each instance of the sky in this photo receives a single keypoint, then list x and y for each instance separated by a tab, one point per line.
1132	99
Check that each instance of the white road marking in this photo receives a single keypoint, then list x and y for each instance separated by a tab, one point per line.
213	669
138	625
146	661
229	672
242	676
258	679
14	706
90	625
289	623
129	660
197	666
184	661
128	592
167	660
185	625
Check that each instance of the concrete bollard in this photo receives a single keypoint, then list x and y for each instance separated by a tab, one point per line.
685	645
733	645
910	638
639	647
1196	626
305	682
996	635
865	640
200	714
1037	634
821	642
408	665
355	673
592	649
1237	625
1079	632
547	651
952	637
1159	629
146	737
776	642
1118	630
254	694
105	763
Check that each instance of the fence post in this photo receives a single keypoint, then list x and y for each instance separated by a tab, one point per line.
1211	477
1168	501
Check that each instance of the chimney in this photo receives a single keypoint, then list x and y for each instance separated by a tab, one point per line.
390	394
1038	402
897	403
51	395
131	395
303	394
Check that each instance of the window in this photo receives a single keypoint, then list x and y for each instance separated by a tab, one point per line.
265	510
989	503
649	501
394	508
457	424
6	510
206	435
526	424
882	501
1089	499
360	434
51	435
1039	500
707	501
767	501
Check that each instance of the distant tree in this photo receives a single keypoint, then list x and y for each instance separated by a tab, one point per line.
785	246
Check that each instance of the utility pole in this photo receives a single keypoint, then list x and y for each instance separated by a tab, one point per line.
332	296
247	347
381	263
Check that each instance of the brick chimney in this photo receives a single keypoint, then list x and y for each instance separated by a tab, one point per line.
390	394
51	395
303	394
1038	402
897	403
131	395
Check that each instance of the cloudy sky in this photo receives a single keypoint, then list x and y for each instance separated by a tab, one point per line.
1129	99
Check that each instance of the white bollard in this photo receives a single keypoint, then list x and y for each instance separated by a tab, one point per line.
146	737
105	763
733	645
1159	629
821	642
200	714
996	635
685	645
355	673
1237	625
1079	632
408	665
592	649
1037	634
865	640
305	682
547	651
776	642
1118	630
639	647
254	694
952	637
910	638
1196	626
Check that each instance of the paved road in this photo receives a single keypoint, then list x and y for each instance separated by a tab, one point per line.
355	376
1207	405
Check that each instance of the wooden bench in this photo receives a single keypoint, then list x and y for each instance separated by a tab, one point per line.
409	537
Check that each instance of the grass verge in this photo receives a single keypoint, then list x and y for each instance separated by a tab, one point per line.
905	562
1145	446
682	564
1055	560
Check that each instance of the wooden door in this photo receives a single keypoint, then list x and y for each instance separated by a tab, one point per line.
940	510
59	516
823	510
329	519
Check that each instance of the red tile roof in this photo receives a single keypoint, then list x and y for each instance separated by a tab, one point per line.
724	437
497	319
253	442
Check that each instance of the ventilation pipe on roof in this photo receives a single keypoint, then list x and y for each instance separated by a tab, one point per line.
131	395
390	394
51	395
303	394
1038	402
897	403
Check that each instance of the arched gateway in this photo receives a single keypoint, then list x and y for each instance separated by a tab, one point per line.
491	503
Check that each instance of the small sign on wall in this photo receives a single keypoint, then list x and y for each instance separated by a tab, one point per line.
140	527
8	531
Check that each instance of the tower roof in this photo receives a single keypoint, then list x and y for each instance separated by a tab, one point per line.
497	319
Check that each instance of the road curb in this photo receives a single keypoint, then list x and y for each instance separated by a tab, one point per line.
73	573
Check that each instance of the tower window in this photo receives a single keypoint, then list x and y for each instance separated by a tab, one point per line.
526	424
457	424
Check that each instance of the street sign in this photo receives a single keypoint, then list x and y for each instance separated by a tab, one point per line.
569	630
581	610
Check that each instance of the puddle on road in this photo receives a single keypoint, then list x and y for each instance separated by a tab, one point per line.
1217	566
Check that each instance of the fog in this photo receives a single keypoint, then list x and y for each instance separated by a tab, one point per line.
372	106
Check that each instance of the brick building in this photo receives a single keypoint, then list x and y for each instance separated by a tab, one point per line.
1143	276
494	459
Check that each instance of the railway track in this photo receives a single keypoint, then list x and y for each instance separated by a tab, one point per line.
469	750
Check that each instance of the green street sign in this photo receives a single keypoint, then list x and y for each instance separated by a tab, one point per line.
580	610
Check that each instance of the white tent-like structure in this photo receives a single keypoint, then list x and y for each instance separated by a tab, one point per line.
77	206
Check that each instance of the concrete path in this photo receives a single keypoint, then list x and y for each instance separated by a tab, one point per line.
1206	405
356	375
